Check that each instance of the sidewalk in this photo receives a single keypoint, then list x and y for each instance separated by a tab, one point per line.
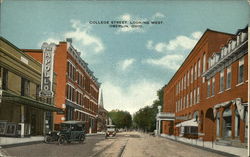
12	141
209	145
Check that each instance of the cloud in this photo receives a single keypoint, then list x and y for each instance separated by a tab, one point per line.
139	94
158	15
83	39
82	34
169	61
125	64
181	42
149	44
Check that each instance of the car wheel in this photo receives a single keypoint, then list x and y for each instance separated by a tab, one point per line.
82	138
61	140
47	139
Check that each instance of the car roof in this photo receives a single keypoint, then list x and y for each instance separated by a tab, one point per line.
73	122
110	125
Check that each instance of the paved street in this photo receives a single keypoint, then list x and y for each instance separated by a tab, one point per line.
131	144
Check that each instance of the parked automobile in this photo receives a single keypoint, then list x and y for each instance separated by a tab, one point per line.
111	130
69	131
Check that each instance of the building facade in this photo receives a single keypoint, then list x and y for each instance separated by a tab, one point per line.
77	90
208	93
22	111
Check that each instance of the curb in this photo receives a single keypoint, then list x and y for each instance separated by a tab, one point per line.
31	142
204	148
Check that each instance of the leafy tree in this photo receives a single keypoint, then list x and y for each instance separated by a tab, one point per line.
145	118
122	119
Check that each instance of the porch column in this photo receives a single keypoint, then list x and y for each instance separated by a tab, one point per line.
22	121
159	129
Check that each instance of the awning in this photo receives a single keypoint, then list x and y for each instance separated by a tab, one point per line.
10	97
191	122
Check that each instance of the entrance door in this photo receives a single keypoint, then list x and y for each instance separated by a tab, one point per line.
33	124
227	123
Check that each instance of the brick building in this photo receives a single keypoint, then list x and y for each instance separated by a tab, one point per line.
207	96
77	90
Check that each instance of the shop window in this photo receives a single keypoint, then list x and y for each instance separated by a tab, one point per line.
5	79
229	77
241	70
237	124
221	80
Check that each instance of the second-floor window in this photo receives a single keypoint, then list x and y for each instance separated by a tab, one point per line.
25	87
71	70
221	80
241	70
213	86
208	88
5	79
70	93
229	77
198	94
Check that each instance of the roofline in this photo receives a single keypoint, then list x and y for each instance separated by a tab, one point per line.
19	50
207	30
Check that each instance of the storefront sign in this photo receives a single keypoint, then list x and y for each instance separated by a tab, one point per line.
47	70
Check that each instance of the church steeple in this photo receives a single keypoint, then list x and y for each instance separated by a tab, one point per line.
101	100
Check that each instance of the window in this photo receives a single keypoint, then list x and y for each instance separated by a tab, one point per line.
188	79
181	84
192	75
187	101
5	79
208	88
176	106
213	86
184	82
70	93
184	103
181	104
199	68
204	63
176	89
240	70
191	101
229	77
221	80
71	71
198	94
25	87
218	124
195	71
194	96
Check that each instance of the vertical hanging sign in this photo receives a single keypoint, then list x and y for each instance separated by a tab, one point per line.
47	70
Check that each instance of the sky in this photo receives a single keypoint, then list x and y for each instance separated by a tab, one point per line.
131	61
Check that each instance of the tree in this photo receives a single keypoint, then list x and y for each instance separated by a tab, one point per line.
121	119
145	118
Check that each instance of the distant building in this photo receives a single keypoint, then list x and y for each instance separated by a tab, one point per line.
102	115
77	88
22	111
207	96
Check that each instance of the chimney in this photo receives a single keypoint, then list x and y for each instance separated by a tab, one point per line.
69	40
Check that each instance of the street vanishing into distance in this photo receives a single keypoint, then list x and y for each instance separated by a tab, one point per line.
124	144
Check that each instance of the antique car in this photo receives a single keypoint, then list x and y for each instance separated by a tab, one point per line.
69	131
111	130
